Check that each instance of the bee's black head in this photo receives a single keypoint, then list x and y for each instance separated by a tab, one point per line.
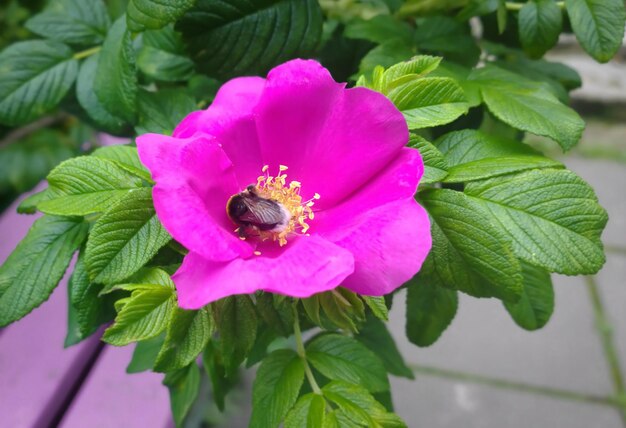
235	207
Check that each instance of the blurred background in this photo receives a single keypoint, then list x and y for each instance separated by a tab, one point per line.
484	372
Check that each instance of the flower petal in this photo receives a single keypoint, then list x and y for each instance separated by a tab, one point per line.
306	266
397	181
194	179
230	119
389	245
333	140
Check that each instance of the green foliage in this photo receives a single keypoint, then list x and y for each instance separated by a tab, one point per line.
143	316
183	385
143	14
276	388
540	23
86	185
115	82
125	238
430	308
91	310
32	271
237	324
343	358
598	25
77	22
504	216
242	37
36	75
534	308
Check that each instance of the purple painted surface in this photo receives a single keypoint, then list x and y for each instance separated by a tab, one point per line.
36	373
112	398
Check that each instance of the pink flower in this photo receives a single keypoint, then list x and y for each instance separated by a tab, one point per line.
365	232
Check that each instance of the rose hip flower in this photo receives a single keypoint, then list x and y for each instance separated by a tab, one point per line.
293	185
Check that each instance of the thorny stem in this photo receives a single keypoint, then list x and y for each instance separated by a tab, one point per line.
87	52
517	386
605	331
302	353
518	6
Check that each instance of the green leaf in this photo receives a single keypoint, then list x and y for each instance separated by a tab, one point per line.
551	217
435	165
34	268
29	205
161	111
86	185
528	107
162	56
359	407
276	387
115	83
309	412
430	308
89	101
144	279
144	316
375	336
126	157
77	22
91	311
269	313
237	327
447	37
187	335
249	37
34	76
379	29
145	354
125	238
311	306
344	358
474	155
540	23
386	55
430	101
337	310
378	306
536	305
470	253
183	385
212	362
598	25
404	72
154	14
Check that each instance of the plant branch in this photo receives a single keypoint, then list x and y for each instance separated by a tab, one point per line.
517	6
87	52
517	386
19	133
302	353
605	331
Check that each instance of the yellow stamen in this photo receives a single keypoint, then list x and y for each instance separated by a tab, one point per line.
257	253
288	195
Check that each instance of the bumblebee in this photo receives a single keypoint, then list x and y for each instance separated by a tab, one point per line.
252	212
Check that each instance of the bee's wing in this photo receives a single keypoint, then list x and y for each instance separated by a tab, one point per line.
262	211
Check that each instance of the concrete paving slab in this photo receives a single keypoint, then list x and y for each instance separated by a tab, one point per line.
434	403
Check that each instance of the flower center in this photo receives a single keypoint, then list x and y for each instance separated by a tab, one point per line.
288	196
272	208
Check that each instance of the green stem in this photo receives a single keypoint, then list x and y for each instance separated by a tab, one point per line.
87	52
605	331
517	386
518	6
302	353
